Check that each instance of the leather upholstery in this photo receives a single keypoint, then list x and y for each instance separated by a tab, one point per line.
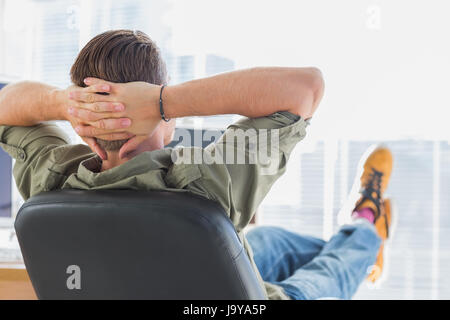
133	244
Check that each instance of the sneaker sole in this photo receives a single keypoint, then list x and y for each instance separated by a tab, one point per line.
386	250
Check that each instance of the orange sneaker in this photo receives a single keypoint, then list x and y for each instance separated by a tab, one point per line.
374	180
376	271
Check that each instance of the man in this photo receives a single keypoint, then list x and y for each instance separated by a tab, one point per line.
120	118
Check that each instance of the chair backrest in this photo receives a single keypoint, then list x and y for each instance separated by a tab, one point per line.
127	244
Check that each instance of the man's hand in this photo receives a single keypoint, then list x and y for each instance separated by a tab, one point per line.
108	109
66	104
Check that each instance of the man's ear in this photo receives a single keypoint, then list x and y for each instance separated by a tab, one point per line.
129	149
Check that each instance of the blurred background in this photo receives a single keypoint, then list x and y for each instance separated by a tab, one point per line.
386	67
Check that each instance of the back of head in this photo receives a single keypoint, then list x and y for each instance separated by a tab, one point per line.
119	56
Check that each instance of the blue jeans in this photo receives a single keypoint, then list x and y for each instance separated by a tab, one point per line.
310	268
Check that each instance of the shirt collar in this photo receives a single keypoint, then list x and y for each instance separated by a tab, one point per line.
89	169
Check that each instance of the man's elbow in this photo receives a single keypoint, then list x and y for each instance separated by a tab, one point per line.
310	88
317	86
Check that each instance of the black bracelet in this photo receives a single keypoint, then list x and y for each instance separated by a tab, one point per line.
161	109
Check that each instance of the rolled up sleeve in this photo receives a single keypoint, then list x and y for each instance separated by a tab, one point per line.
240	184
31	148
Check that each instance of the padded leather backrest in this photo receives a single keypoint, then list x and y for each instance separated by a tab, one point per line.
132	244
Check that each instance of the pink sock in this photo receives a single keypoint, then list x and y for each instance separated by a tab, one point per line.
365	213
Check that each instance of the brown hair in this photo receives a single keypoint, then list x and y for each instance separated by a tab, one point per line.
119	56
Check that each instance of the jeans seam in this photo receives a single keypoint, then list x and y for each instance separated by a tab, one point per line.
272	268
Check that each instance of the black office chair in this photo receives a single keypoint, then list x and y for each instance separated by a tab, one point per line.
127	244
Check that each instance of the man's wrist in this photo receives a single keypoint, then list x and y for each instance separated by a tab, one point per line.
58	102
153	97
169	102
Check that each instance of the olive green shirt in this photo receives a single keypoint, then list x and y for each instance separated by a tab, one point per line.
45	160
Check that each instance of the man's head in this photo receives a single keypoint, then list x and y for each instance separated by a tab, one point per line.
119	56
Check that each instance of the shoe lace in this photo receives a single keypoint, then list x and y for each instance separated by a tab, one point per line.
374	183
372	190
372	187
